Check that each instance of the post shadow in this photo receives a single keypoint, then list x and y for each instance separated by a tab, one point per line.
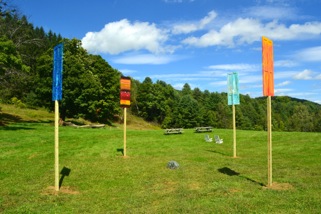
64	172
230	172
121	150
217	152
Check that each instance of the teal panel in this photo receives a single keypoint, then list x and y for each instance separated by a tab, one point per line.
233	95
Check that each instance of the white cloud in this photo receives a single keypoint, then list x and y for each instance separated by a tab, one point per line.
283	83
271	12
250	79
285	63
127	71
121	36
242	29
318	77
304	75
207	19
188	27
282	91
145	59
250	86
303	95
178	86
284	74
248	30
219	83
173	1
179	76
214	73
177	1
309	54
235	67
124	36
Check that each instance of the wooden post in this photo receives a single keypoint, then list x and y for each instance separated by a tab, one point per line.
234	133
56	145
125	127
269	126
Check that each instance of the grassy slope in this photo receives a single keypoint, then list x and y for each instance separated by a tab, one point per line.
209	180
10	114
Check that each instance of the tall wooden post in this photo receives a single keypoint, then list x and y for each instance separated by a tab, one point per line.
234	133
233	98
268	90
56	145
125	83
269	126
125	130
57	95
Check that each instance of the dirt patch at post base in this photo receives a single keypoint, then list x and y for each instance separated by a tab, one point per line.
280	186
63	190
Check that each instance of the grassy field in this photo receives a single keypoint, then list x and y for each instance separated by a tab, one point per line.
209	179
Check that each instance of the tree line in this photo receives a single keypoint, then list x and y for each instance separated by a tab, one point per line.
91	87
160	103
90	84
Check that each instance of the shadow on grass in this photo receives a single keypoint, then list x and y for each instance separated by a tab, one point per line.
121	150
221	153
15	128
230	172
64	172
7	122
9	118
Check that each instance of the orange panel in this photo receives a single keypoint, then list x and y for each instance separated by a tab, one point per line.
267	67
125	83
125	103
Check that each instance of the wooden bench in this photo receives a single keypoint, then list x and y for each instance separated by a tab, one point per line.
174	131
203	129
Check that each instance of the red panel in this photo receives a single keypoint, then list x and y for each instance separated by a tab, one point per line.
125	95
125	98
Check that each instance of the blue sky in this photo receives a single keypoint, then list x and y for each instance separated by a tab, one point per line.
195	41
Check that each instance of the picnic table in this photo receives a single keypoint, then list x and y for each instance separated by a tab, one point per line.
203	129
173	131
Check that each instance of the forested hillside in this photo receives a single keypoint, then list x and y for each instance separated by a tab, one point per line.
91	87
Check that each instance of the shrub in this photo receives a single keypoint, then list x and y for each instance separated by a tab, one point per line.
18	103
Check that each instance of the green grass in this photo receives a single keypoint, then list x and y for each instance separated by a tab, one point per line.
209	179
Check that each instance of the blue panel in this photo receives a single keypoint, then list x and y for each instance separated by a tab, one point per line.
233	95
57	73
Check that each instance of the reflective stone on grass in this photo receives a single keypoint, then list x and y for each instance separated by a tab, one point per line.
172	165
